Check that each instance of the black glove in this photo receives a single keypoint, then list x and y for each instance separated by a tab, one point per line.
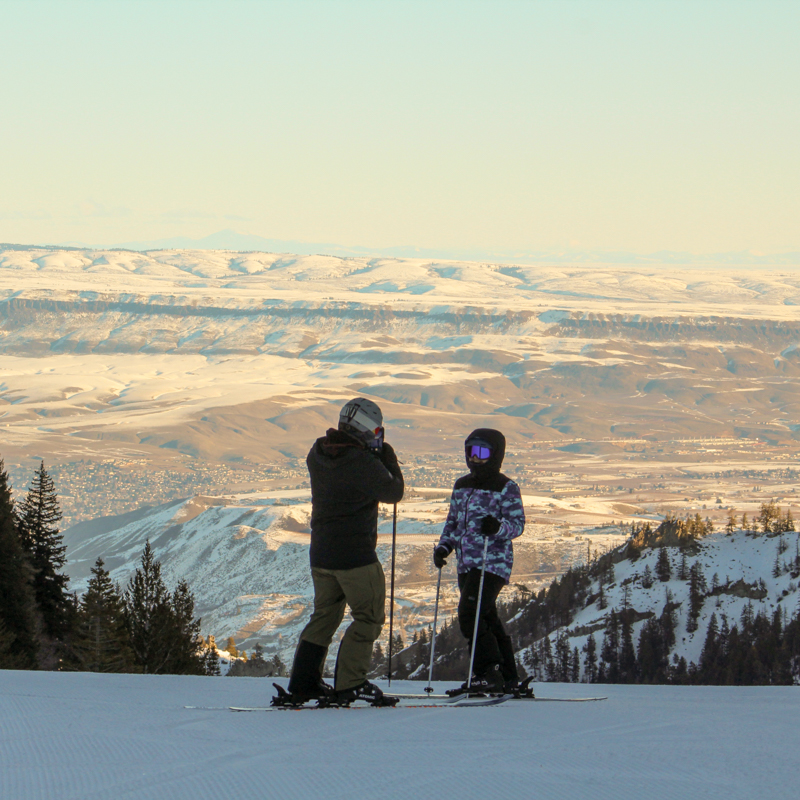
489	526
440	554
388	457
387	452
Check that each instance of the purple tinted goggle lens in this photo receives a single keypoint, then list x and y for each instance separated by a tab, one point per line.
478	451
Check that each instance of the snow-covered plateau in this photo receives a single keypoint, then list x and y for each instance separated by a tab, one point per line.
170	373
81	736
625	393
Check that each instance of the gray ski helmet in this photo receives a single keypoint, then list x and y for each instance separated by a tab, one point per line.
361	417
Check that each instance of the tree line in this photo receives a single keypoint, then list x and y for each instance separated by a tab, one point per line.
755	650
143	628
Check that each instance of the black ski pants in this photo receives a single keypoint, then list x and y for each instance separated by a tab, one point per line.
493	645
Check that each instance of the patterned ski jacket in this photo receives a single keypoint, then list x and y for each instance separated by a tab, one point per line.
484	493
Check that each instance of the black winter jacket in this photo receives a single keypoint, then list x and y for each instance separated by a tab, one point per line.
347	482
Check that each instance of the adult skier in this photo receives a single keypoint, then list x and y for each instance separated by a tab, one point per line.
352	469
484	503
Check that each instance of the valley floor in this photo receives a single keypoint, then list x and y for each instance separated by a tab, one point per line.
78	736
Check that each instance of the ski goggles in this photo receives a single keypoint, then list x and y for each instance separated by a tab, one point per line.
479	450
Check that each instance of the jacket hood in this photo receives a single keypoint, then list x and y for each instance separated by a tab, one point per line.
498	444
336	444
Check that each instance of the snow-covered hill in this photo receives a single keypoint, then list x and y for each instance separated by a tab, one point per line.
737	571
246	559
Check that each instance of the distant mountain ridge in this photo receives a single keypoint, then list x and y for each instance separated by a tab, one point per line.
247	242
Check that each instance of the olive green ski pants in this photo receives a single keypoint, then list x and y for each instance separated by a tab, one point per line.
363	589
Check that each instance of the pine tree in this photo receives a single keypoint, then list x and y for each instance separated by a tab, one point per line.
575	666
211	661
590	662
148	615
647	578
100	640
8	657
547	665
663	568
710	656
18	612
397	645
668	620
186	654
609	652
697	586
39	515
230	646
164	635
652	653
776	567
797	555
768	516
683	569
627	655
562	657
278	668
730	525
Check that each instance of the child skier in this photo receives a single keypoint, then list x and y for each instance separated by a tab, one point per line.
484	504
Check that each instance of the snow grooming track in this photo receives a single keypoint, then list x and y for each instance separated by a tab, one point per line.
95	736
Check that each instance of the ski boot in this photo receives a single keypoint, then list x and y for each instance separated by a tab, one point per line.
366	691
489	683
284	699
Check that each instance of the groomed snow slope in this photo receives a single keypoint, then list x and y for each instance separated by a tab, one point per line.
94	737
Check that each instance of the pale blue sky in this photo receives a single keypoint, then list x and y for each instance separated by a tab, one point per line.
514	126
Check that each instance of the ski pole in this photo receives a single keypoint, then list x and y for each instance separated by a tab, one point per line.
429	688
391	594
477	612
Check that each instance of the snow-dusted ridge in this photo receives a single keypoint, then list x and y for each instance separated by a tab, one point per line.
246	559
740	564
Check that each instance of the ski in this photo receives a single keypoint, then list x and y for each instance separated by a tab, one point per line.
460	702
562	699
522	692
450	699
